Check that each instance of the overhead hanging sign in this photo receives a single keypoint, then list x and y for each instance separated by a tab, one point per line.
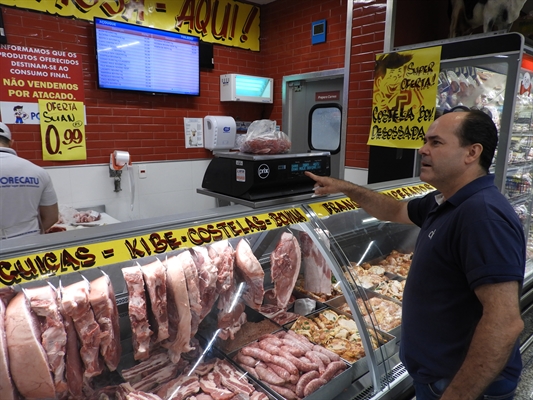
404	98
30	74
225	22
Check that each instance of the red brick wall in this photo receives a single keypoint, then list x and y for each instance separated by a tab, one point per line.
151	127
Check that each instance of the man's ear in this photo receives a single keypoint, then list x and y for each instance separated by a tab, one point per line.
474	152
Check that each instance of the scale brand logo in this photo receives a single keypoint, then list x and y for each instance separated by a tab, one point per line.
263	171
226	129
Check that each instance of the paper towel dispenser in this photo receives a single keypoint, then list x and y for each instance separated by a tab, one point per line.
219	132
255	89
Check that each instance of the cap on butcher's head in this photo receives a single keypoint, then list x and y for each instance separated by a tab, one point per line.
4	131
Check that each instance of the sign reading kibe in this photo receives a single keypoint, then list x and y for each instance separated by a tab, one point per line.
29	74
404	100
62	130
63	261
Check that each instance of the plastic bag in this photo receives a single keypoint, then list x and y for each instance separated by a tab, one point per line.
262	138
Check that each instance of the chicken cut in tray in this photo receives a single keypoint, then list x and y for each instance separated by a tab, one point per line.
75	303
317	274
179	310
250	270
285	263
207	278
43	302
7	388
223	256
104	305
137	311
156	284
28	362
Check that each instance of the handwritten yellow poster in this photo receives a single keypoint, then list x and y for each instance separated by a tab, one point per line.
62	130
404	99
224	22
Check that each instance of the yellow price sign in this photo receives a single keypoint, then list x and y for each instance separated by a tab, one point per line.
62	130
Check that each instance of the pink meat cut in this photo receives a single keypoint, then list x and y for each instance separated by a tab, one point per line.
223	256
181	312
102	299
7	388
156	283
252	272
285	263
137	312
73	360
193	289
207	278
75	303
317	274
28	362
231	315
43	302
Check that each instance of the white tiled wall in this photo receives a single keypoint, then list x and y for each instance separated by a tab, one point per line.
169	188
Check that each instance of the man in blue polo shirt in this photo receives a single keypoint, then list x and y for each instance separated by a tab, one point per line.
461	305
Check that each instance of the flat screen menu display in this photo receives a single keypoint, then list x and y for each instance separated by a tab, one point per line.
131	57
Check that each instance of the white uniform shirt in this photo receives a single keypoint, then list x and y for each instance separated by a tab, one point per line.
24	187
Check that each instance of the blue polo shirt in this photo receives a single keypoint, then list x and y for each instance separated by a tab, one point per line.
473	238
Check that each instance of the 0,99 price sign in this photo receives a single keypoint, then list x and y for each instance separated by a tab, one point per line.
62	130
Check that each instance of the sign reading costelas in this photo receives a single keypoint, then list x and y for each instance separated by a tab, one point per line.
29	74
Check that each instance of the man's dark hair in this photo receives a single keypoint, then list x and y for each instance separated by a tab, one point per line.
478	127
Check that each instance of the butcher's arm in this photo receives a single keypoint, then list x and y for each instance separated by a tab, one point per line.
49	216
378	205
492	343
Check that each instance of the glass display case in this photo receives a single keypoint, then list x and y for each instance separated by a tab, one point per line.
292	301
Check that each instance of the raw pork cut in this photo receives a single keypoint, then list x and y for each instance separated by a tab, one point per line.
75	303
156	283
73	360
252	272
7	388
28	362
317	275
285	263
223	256
102	299
178	306
207	279
43	302
231	315
193	289
137	311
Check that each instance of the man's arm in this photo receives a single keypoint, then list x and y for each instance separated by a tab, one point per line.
376	204
492	343
49	216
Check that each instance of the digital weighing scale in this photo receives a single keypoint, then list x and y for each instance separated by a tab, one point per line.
259	177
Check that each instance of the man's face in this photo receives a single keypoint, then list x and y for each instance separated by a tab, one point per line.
391	82
442	157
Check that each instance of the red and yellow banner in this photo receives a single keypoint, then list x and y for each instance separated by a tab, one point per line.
404	100
62	261
225	22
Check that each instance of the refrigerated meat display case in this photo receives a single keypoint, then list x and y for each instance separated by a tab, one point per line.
235	284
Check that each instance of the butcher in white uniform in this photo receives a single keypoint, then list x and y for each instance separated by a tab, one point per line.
28	201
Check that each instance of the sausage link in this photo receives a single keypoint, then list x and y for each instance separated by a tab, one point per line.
285	363
312	356
246	360
304	380
250	370
287	393
269	376
303	364
296	345
313	386
296	352
325	359
282	372
332	369
267	346
269	338
332	356
257	353
305	341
